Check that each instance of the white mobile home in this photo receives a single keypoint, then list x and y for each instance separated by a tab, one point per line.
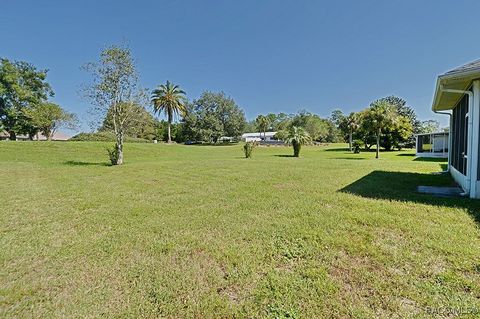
257	137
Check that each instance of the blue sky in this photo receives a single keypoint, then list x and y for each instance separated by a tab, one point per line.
270	56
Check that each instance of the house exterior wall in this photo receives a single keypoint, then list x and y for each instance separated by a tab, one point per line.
465	142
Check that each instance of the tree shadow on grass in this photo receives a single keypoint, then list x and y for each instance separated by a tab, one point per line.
283	155
340	149
83	163
350	158
211	144
401	186
407	155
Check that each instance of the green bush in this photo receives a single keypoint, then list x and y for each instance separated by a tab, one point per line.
105	137
248	148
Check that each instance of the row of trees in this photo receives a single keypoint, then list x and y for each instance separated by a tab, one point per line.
388	123
121	104
319	129
24	102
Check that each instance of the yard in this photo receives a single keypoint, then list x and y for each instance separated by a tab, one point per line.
199	231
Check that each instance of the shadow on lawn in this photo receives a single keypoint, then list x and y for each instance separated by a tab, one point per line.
283	155
340	149
82	163
401	186
350	158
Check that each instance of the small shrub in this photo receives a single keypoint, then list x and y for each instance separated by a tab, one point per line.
357	144
248	148
113	154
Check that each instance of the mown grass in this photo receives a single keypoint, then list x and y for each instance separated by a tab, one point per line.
189	231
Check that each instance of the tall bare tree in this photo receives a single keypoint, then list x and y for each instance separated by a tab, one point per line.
115	87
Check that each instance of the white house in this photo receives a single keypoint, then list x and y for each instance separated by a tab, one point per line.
57	136
257	137
457	94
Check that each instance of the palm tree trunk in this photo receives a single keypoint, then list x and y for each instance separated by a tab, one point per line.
378	143
350	140
170	119
296	148
169	134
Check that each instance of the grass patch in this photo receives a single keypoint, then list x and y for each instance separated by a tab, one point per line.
184	231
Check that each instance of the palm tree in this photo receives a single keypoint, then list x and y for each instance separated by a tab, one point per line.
297	136
381	114
352	123
263	123
171	100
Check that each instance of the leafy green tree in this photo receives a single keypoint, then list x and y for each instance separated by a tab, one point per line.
171	100
276	122
394	137
397	133
319	129
214	115
115	87
297	136
250	126
141	124
429	126
379	116
337	117
22	86
312	124
49	117
282	121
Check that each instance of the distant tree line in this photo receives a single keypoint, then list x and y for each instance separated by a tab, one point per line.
388	123
319	129
123	109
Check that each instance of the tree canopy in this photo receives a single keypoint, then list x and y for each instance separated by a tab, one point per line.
22	87
212	116
48	117
141	124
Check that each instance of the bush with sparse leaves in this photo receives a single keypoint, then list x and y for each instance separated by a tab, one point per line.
248	148
113	154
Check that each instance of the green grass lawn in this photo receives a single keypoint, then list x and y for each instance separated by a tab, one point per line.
199	231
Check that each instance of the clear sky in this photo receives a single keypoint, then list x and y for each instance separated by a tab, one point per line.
270	56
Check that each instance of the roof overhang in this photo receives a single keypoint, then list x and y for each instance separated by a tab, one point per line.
443	101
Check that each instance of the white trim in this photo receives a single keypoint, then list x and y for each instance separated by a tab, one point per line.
429	154
458	177
474	153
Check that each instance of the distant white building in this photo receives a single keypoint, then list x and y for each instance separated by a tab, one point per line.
432	144
257	137
57	136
